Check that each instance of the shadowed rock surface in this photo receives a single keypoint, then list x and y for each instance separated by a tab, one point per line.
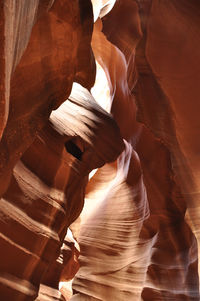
122	146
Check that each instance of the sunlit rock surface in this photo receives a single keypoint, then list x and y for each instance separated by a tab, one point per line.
113	256
167	245
122	146
42	79
44	199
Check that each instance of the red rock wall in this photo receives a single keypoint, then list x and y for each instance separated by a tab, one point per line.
139	229
43	44
165	268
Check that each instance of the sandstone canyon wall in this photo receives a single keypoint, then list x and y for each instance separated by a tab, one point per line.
99	111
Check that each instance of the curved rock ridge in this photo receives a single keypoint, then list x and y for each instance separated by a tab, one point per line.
46	192
171	83
61	271
122	146
111	258
43	77
168	244
176	84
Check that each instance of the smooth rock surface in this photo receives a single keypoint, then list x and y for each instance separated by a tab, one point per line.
123	147
169	267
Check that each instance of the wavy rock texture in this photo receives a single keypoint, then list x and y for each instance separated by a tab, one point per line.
42	42
136	130
176	84
172	87
44	60
167	245
43	78
111	249
44	199
61	270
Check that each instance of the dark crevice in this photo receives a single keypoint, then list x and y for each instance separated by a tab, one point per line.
73	149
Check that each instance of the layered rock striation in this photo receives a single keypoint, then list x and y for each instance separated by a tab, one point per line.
122	146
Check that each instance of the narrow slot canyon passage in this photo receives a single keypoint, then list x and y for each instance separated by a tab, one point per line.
99	150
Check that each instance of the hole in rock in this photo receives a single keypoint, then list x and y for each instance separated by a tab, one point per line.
73	149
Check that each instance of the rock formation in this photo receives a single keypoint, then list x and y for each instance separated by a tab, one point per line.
99	111
165	232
